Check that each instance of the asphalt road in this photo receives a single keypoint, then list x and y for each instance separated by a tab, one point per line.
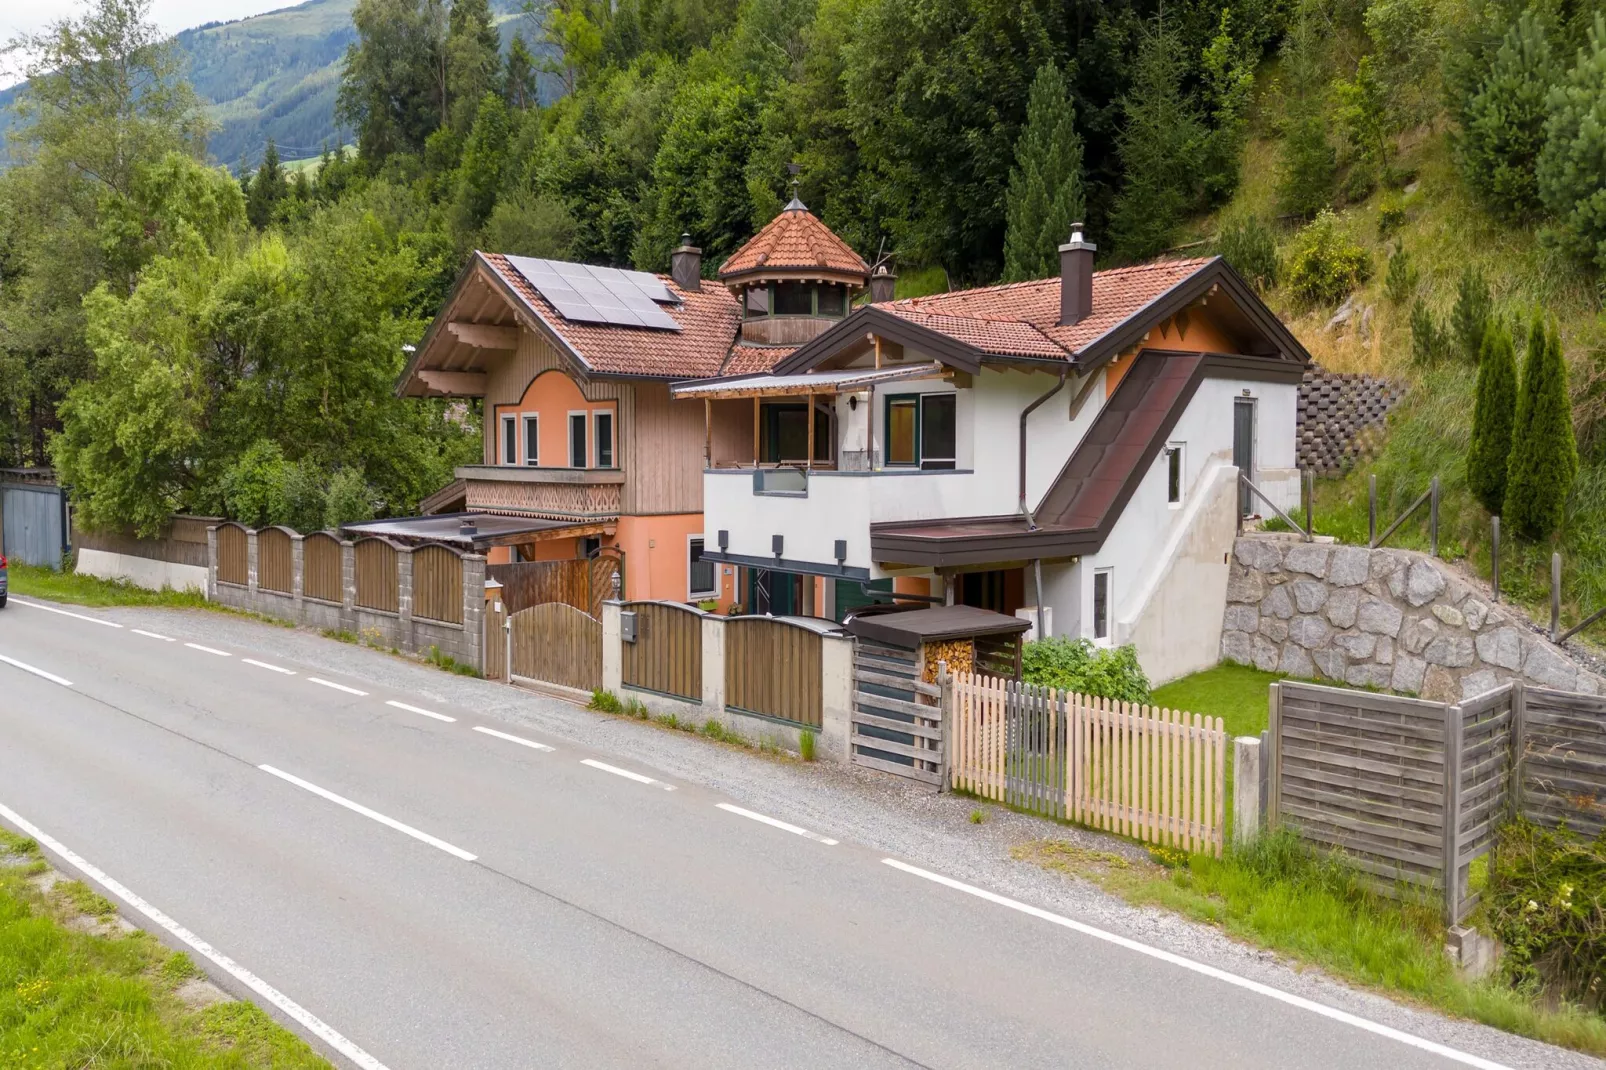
442	896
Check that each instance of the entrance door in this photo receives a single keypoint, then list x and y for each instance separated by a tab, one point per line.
1243	448
773	592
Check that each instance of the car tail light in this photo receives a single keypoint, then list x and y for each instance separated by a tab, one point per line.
2	560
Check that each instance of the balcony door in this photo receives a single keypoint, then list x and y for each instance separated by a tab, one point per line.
785	434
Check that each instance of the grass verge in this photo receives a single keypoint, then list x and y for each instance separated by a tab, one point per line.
1279	895
36	582
74	997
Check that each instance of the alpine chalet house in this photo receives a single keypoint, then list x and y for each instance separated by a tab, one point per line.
1072	444
584	447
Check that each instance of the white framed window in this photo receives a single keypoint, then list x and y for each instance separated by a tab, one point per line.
702	579
1173	474
510	439
1103	591
577	440
532	439
602	435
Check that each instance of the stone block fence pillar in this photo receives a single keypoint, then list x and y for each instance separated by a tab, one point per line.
473	611
714	665
251	565
613	647
211	563
404	599
348	585
836	697
297	574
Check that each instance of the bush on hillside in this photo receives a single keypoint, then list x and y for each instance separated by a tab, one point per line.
1326	264
1544	454
1430	343
1248	245
1504	126
1077	665
1469	319
1572	164
1494	410
1390	217
1547	904
1399	284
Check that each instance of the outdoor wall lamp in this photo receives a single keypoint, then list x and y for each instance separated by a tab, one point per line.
724	540
841	551
776	542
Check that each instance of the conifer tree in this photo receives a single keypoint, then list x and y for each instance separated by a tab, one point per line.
1309	162
268	188
479	175
1504	126
1572	164
1469	319
1494	410
1045	185
1158	145
519	87
1544	453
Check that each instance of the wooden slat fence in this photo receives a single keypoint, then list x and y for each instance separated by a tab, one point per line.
232	565
1562	754
772	668
1483	782
667	656
376	582
555	643
897	716
1157	775
495	641
583	584
438	584
320	568
275	562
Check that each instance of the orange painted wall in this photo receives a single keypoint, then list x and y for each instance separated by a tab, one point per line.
551	396
1203	336
920	585
656	557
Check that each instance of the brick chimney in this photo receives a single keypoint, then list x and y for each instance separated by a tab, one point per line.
686	265
1076	277
882	285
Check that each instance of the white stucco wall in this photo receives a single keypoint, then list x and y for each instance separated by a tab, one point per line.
141	571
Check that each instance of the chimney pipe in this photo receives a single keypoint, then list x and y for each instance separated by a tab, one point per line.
882	285
468	528
1076	277
686	265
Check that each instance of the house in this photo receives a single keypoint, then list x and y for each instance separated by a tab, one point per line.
1067	449
585	451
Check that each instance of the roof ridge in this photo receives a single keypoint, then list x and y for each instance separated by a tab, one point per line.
1125	269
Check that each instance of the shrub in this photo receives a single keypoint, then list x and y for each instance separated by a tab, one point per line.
1430	343
1247	244
1326	264
1469	319
1494	409
1547	904
1390	217
1399	284
1077	665
604	701
1544	453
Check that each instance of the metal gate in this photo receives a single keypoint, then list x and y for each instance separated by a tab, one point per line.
32	518
897	718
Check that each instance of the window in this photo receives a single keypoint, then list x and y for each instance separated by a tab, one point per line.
794	299
1173	474
532	440
1101	605
700	579
786	434
510	440
602	431
921	430
577	440
589	545
756	301
831	299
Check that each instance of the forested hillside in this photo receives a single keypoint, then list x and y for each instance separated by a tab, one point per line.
175	339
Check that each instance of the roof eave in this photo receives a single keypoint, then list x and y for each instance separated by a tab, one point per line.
876	320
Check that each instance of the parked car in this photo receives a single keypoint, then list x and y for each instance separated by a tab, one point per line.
5	581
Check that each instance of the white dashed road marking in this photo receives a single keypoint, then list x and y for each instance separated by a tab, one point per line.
265	665
374	815
25	667
773	823
513	739
209	650
153	635
421	711
65	613
627	774
337	687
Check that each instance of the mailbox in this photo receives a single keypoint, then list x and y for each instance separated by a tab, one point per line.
627	626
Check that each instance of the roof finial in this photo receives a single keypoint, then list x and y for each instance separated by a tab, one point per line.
795	205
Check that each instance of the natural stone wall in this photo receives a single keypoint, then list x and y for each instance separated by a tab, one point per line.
1390	619
1338	415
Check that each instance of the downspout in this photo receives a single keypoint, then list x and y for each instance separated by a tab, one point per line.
1031	521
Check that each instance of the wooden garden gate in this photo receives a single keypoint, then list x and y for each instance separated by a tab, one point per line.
555	643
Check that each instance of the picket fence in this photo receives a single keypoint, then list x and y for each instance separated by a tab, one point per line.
1156	775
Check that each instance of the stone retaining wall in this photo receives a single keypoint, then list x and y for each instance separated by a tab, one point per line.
1390	619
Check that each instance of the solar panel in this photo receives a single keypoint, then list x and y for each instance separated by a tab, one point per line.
588	294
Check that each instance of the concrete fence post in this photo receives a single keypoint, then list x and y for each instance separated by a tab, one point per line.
836	697
1246	787
251	566
714	666
348	586
211	563
297	584
612	647
404	599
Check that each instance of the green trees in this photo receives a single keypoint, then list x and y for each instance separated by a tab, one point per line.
1571	170
1469	319
1159	145
267	189
1504	125
1309	162
1544	454
480	174
393	80
1493	416
1045	185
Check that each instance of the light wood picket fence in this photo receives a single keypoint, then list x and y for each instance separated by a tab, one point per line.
1157	775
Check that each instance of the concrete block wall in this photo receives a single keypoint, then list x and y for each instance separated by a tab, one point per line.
401	630
1396	620
1340	414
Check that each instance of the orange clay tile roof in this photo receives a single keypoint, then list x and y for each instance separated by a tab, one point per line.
709	320
753	360
1022	318
792	241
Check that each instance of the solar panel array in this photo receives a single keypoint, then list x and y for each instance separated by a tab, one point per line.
588	294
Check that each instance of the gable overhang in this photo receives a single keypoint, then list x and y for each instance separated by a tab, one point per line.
872	320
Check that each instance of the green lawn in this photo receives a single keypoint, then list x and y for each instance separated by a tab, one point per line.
75	998
31	580
1236	693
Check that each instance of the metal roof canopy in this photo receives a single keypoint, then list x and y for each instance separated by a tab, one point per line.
911	627
490	529
844	381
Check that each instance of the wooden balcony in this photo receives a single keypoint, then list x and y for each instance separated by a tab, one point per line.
559	493
785	330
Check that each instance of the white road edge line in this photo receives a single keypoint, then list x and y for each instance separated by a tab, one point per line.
25	667
513	739
1201	968
773	823
337	687
421	711
314	1025
153	635
627	774
209	650
65	613
359	808
265	665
